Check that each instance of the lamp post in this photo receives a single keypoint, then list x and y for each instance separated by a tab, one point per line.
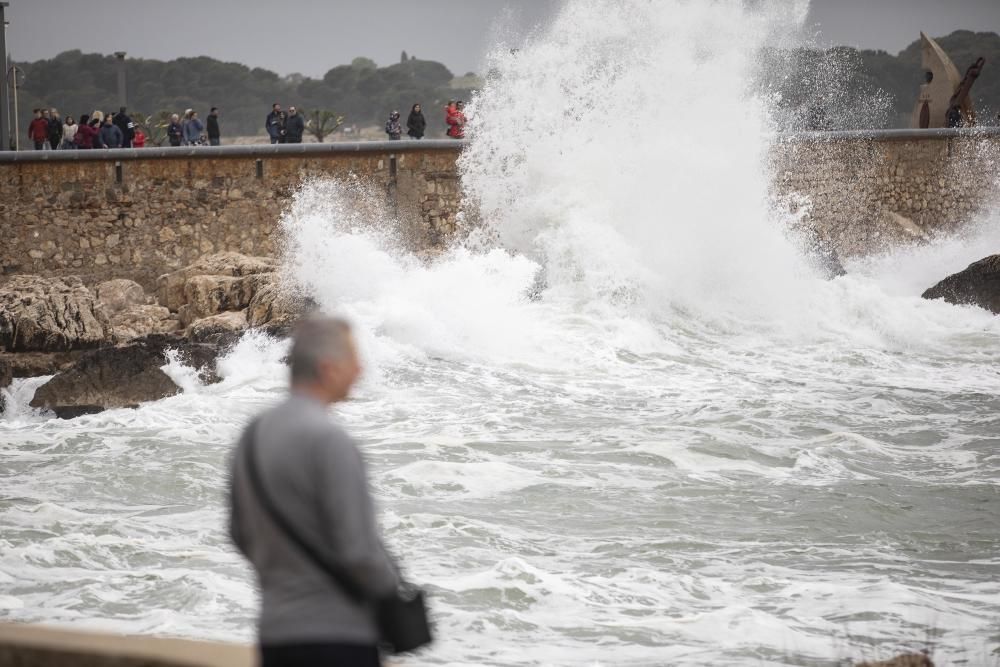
122	87
4	103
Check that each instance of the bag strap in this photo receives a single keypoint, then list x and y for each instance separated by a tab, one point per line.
335	572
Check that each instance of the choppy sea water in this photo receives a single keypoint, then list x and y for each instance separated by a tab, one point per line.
622	429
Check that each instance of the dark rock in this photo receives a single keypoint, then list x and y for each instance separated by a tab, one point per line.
977	285
33	364
6	373
6	377
122	376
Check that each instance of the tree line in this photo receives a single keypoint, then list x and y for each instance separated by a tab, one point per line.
838	88
360	92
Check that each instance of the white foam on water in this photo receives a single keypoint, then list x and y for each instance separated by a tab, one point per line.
624	424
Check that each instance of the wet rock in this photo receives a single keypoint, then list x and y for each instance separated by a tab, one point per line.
120	294
171	286
139	321
217	328
207	295
6	373
122	376
49	314
6	377
33	364
276	309
978	285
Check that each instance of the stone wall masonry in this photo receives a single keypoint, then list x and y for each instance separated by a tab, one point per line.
861	190
140	213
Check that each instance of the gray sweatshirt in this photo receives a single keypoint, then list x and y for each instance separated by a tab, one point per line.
316	477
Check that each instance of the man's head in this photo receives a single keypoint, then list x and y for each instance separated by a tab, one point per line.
292	111
54	112
214	111
108	120
275	107
324	359
121	110
174	118
460	105
45	113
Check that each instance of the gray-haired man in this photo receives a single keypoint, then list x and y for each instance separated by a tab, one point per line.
314	475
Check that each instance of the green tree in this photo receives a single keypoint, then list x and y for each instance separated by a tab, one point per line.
322	123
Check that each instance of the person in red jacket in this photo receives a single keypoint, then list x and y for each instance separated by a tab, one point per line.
455	118
38	131
139	140
86	135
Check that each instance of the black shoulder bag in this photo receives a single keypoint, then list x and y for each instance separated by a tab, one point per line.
401	617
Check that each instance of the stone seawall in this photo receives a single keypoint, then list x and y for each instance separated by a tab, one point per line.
141	213
867	192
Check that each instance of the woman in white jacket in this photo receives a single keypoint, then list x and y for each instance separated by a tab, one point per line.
69	131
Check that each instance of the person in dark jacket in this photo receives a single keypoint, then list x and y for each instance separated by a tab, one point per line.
111	135
175	133
295	126
55	129
214	136
38	130
275	124
416	123
125	124
86	135
392	127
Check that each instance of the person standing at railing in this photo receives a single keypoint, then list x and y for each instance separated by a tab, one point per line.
111	135
275	124
86	133
295	126
175	132
193	130
214	135
416	124
55	129
38	130
68	134
125	124
393	128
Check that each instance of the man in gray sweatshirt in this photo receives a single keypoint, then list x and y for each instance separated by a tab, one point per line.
315	476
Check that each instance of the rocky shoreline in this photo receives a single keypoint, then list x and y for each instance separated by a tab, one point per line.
105	345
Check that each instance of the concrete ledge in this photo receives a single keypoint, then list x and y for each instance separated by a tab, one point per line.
889	135
39	646
215	152
426	145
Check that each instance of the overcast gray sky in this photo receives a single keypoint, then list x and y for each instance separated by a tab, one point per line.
311	36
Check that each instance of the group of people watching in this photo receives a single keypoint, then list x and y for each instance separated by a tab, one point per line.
416	124
190	131
285	127
49	131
